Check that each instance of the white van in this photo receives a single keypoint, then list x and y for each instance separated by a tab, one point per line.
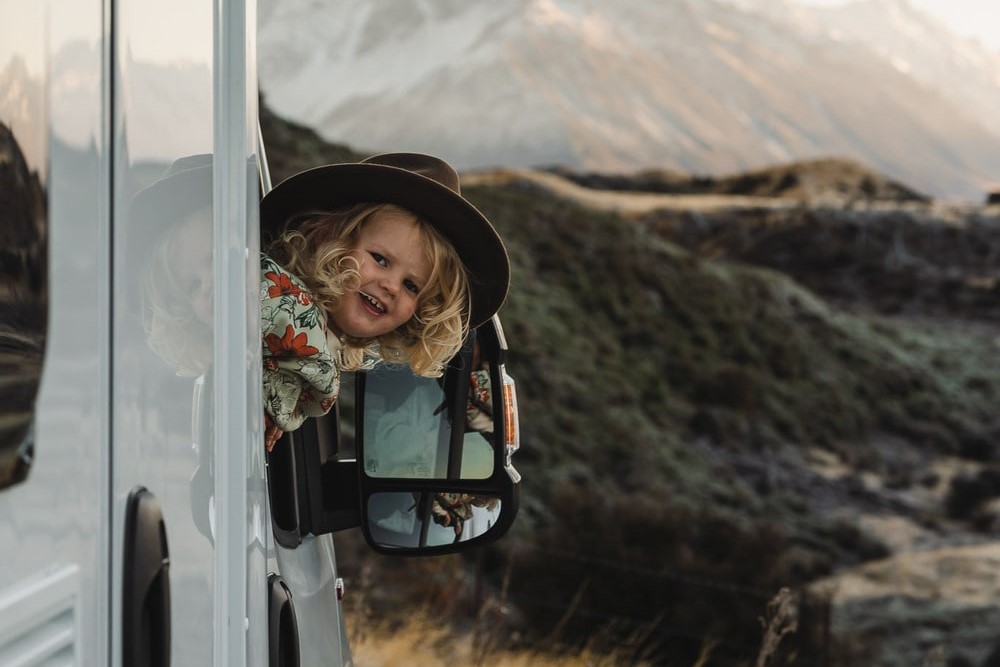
140	521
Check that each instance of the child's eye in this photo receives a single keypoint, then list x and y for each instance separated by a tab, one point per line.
412	286
379	259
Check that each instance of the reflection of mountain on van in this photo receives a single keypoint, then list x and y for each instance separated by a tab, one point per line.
22	234
23	303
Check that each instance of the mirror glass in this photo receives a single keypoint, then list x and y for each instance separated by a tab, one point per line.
428	519
408	426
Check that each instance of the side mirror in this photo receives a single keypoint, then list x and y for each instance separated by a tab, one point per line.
422	464
436	471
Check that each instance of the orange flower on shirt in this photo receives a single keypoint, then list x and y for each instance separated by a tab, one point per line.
281	284
289	345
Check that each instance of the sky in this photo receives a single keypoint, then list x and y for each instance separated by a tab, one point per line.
973	18
153	33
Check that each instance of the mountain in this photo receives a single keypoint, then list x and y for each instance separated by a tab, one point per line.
911	41
696	85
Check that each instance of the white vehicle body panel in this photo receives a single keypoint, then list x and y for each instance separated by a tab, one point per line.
126	87
54	531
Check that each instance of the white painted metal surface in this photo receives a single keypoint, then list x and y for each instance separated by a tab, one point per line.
53	527
39	621
240	556
128	396
162	112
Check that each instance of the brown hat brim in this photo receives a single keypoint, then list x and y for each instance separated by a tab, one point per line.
336	185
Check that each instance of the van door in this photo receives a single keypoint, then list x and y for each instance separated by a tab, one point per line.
187	482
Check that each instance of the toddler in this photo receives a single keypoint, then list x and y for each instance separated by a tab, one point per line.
377	260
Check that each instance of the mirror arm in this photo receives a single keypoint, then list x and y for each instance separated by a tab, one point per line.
310	491
424	511
340	497
459	403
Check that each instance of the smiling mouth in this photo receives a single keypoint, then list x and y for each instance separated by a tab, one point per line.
372	304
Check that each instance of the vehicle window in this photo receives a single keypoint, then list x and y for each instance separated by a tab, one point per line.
23	243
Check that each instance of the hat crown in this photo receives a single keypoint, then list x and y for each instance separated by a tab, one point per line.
188	162
427	166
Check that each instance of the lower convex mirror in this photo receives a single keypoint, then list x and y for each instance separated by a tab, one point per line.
416	520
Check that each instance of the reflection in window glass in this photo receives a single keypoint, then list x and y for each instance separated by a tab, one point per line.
23	252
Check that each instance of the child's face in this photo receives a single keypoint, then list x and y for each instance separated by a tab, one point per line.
393	267
194	262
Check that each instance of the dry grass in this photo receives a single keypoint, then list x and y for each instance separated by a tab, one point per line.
421	641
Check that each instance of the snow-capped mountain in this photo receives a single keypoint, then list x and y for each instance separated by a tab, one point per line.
910	40
707	86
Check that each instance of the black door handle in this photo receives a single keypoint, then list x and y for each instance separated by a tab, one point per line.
146	585
282	628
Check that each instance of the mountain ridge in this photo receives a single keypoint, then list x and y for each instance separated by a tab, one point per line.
698	86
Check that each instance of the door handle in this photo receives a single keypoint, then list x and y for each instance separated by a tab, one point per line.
282	628
146	584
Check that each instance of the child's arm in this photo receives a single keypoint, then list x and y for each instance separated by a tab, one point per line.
271	432
300	377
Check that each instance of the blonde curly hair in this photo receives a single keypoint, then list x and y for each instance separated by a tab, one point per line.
174	330
316	247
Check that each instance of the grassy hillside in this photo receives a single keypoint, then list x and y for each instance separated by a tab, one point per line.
821	179
709	407
676	411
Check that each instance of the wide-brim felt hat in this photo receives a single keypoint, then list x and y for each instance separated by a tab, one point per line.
185	187
425	185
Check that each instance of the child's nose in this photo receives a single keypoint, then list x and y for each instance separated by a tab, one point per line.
391	286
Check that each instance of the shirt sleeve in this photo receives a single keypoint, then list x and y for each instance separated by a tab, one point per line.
301	376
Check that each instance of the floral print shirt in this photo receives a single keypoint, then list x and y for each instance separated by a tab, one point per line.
301	361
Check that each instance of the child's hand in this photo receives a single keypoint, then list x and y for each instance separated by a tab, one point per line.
271	432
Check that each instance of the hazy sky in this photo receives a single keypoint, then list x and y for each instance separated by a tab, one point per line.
975	18
154	33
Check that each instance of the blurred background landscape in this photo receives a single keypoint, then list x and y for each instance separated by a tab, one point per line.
754	320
